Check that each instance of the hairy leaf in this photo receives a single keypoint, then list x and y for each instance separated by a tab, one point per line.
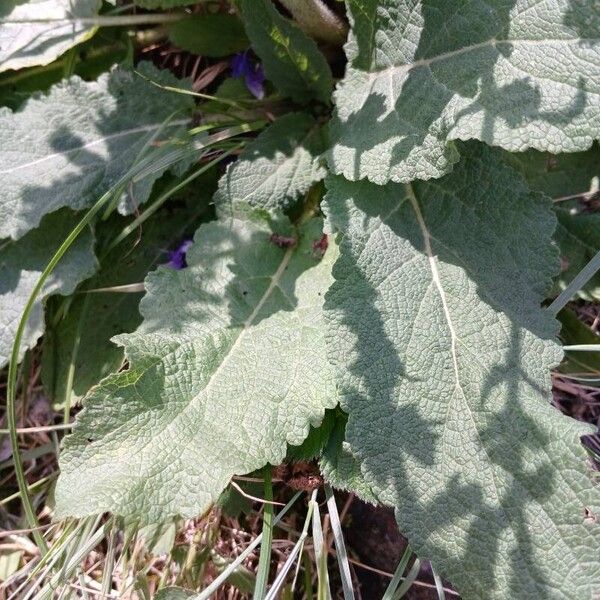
228	366
575	331
443	356
572	181
341	469
22	263
276	168
81	338
517	74
69	146
291	59
35	32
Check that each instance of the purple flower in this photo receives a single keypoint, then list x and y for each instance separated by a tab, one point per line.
177	256
253	73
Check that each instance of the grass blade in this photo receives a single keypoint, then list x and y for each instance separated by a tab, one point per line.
578	282
291	559
582	348
338	536
264	560
410	579
439	586
324	591
206	593
398	573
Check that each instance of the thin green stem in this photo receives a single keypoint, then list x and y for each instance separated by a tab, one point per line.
73	361
264	561
11	388
165	196
106	20
207	592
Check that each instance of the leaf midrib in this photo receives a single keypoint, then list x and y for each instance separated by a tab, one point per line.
492	42
275	279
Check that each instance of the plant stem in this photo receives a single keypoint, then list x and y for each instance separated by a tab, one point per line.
11	387
318	20
264	561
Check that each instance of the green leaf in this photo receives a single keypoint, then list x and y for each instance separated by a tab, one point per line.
578	236
83	335
89	60
560	176
341	469
22	263
209	34
443	356
274	170
422	74
316	440
291	59
227	368
26	40
165	4
68	147
578	232
575	331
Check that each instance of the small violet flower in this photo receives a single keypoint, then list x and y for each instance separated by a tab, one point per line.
253	74
177	257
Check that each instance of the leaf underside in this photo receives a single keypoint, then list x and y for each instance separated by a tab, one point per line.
518	74
442	357
227	368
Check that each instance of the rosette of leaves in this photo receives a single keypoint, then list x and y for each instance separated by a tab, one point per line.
421	311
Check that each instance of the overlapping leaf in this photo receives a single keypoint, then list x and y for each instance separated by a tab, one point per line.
21	264
80	340
443	355
421	73
276	168
68	147
37	32
572	181
291	59
227	368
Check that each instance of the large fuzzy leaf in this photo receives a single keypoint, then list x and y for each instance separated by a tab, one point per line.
22	263
69	146
276	168
80	340
35	32
90	60
565	178
292	60
228	366
514	73
443	356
